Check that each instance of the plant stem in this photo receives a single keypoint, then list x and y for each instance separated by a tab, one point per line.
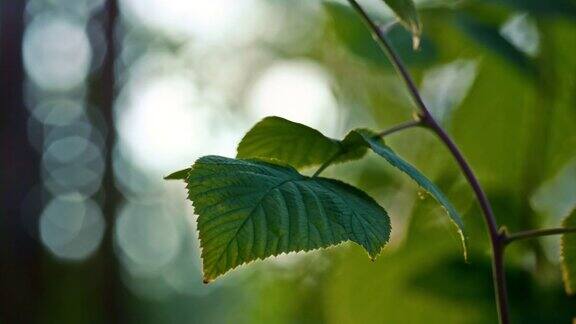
380	37
399	127
327	164
497	239
386	132
538	233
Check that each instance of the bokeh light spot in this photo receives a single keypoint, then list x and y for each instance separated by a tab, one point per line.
71	227
297	90
147	237
57	52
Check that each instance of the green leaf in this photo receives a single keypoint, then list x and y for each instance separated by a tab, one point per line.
276	138
251	210
568	255
356	38
379	147
406	12
178	175
282	141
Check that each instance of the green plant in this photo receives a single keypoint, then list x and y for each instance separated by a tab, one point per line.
258	205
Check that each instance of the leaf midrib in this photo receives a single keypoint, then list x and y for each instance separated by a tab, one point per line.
250	214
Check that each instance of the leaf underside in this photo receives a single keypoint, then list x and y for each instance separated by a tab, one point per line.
379	147
568	255
251	210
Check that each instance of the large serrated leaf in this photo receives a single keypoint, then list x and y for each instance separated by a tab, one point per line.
251	210
379	147
568	255
280	140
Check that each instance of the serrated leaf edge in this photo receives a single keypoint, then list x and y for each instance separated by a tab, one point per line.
207	280
566	279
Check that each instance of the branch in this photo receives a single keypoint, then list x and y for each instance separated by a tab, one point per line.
379	36
538	233
429	120
497	240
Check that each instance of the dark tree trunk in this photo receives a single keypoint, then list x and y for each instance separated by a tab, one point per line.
102	94
19	250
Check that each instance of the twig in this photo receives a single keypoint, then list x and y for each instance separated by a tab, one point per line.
327	164
538	233
497	239
399	127
386	132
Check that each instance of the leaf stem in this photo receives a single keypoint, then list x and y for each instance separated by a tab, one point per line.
497	239
386	132
327	163
399	127
538	233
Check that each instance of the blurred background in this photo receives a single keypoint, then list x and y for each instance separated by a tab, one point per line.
100	99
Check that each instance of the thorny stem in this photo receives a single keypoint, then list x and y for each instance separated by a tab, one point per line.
386	132
538	233
497	238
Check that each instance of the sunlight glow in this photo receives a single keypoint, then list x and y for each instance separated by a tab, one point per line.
212	20
162	124
445	87
557	196
522	32
297	90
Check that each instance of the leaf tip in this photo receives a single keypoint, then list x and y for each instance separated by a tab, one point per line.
416	42
178	175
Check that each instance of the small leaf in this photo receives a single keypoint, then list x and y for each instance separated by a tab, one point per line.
282	141
353	34
178	175
251	210
379	147
406	12
568	255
